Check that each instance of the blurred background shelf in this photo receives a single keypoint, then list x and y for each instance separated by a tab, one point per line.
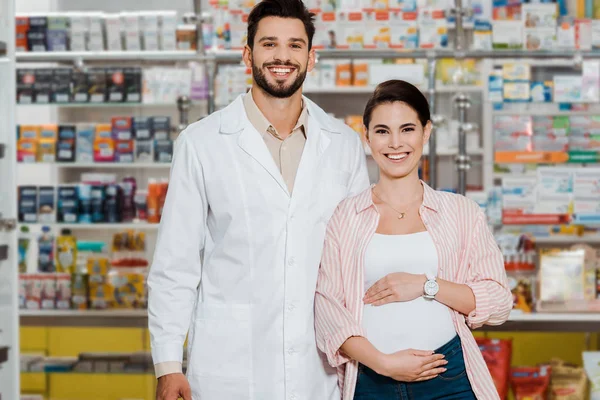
58	56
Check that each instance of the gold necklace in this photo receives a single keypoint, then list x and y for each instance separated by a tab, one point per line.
401	214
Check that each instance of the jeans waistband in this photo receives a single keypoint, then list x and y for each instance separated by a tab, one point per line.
449	347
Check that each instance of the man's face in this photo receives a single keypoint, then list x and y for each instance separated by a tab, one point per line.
280	59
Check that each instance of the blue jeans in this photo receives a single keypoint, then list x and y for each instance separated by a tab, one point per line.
451	385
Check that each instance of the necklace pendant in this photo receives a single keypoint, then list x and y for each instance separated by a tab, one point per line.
401	215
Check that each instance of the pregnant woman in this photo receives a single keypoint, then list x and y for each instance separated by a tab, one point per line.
406	272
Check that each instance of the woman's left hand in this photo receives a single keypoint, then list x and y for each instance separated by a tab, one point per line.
396	287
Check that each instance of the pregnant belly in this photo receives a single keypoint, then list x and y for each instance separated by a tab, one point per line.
419	324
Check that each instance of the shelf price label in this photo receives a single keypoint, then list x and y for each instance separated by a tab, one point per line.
531	157
584	157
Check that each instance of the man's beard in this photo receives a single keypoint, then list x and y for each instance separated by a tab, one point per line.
278	90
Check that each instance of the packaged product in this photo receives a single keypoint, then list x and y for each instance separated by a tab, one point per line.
497	355
522	291
46	150
48	293
129	249
63	291
152	203
568	382
100	296
46	251
129	289
23	282
66	252
27	150
23	244
33	297
104	150
591	364
531	383
80	291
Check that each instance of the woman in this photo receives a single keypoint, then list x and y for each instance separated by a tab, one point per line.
406	267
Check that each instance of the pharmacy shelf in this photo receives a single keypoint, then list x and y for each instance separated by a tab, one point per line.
235	55
196	103
58	56
524	110
454	152
501	175
97	226
78	165
568	240
369	89
103	318
567	322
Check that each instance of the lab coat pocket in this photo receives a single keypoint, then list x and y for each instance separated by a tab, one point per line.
221	345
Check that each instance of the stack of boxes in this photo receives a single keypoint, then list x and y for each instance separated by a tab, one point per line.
65	85
97	31
125	140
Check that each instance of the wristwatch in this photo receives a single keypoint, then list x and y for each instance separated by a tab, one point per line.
431	287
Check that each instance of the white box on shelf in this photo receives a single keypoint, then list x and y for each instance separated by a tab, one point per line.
413	73
114	37
351	30
591	81
568	89
586	195
539	38
554	190
539	15
150	29
131	29
507	34
583	34
327	69
519	194
95	40
79	30
168	30
596	33
565	33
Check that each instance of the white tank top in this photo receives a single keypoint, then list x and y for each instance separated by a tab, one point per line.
419	324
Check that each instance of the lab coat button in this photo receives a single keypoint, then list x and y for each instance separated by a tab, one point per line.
292	261
291	307
291	351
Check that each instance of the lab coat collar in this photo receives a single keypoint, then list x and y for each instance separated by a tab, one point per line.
233	117
430	199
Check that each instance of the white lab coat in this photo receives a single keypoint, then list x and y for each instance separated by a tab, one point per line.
237	257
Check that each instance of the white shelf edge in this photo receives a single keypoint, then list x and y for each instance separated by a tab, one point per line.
142	313
370	89
138	313
567	239
543	112
49	56
96	226
102	165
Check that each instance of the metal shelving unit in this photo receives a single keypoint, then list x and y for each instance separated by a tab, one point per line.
9	304
116	56
564	322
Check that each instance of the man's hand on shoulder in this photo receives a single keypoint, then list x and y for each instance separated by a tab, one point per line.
172	387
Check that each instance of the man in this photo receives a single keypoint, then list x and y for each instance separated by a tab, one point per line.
252	188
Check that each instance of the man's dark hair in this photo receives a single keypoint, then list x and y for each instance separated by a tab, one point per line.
282	9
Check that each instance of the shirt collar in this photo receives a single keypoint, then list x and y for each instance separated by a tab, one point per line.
430	199
261	123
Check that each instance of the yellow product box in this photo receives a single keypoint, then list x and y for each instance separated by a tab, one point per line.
101	296
29	132
97	269
129	289
516	92
46	150
49	131
516	72
27	150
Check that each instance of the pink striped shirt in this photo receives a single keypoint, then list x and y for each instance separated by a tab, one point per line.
467	253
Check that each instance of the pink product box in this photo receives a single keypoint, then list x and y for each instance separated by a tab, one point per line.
513	143
511	125
550	143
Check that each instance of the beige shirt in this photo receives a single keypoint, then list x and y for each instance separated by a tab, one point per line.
286	153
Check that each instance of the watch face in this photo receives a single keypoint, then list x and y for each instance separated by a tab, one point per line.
431	288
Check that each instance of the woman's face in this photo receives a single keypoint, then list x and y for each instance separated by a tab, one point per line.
396	138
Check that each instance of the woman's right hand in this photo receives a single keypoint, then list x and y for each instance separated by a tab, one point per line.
412	365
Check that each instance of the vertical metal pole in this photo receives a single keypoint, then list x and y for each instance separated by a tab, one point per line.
183	106
463	162
432	157
211	72
459	36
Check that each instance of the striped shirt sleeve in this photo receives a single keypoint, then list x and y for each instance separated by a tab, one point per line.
334	323
487	279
